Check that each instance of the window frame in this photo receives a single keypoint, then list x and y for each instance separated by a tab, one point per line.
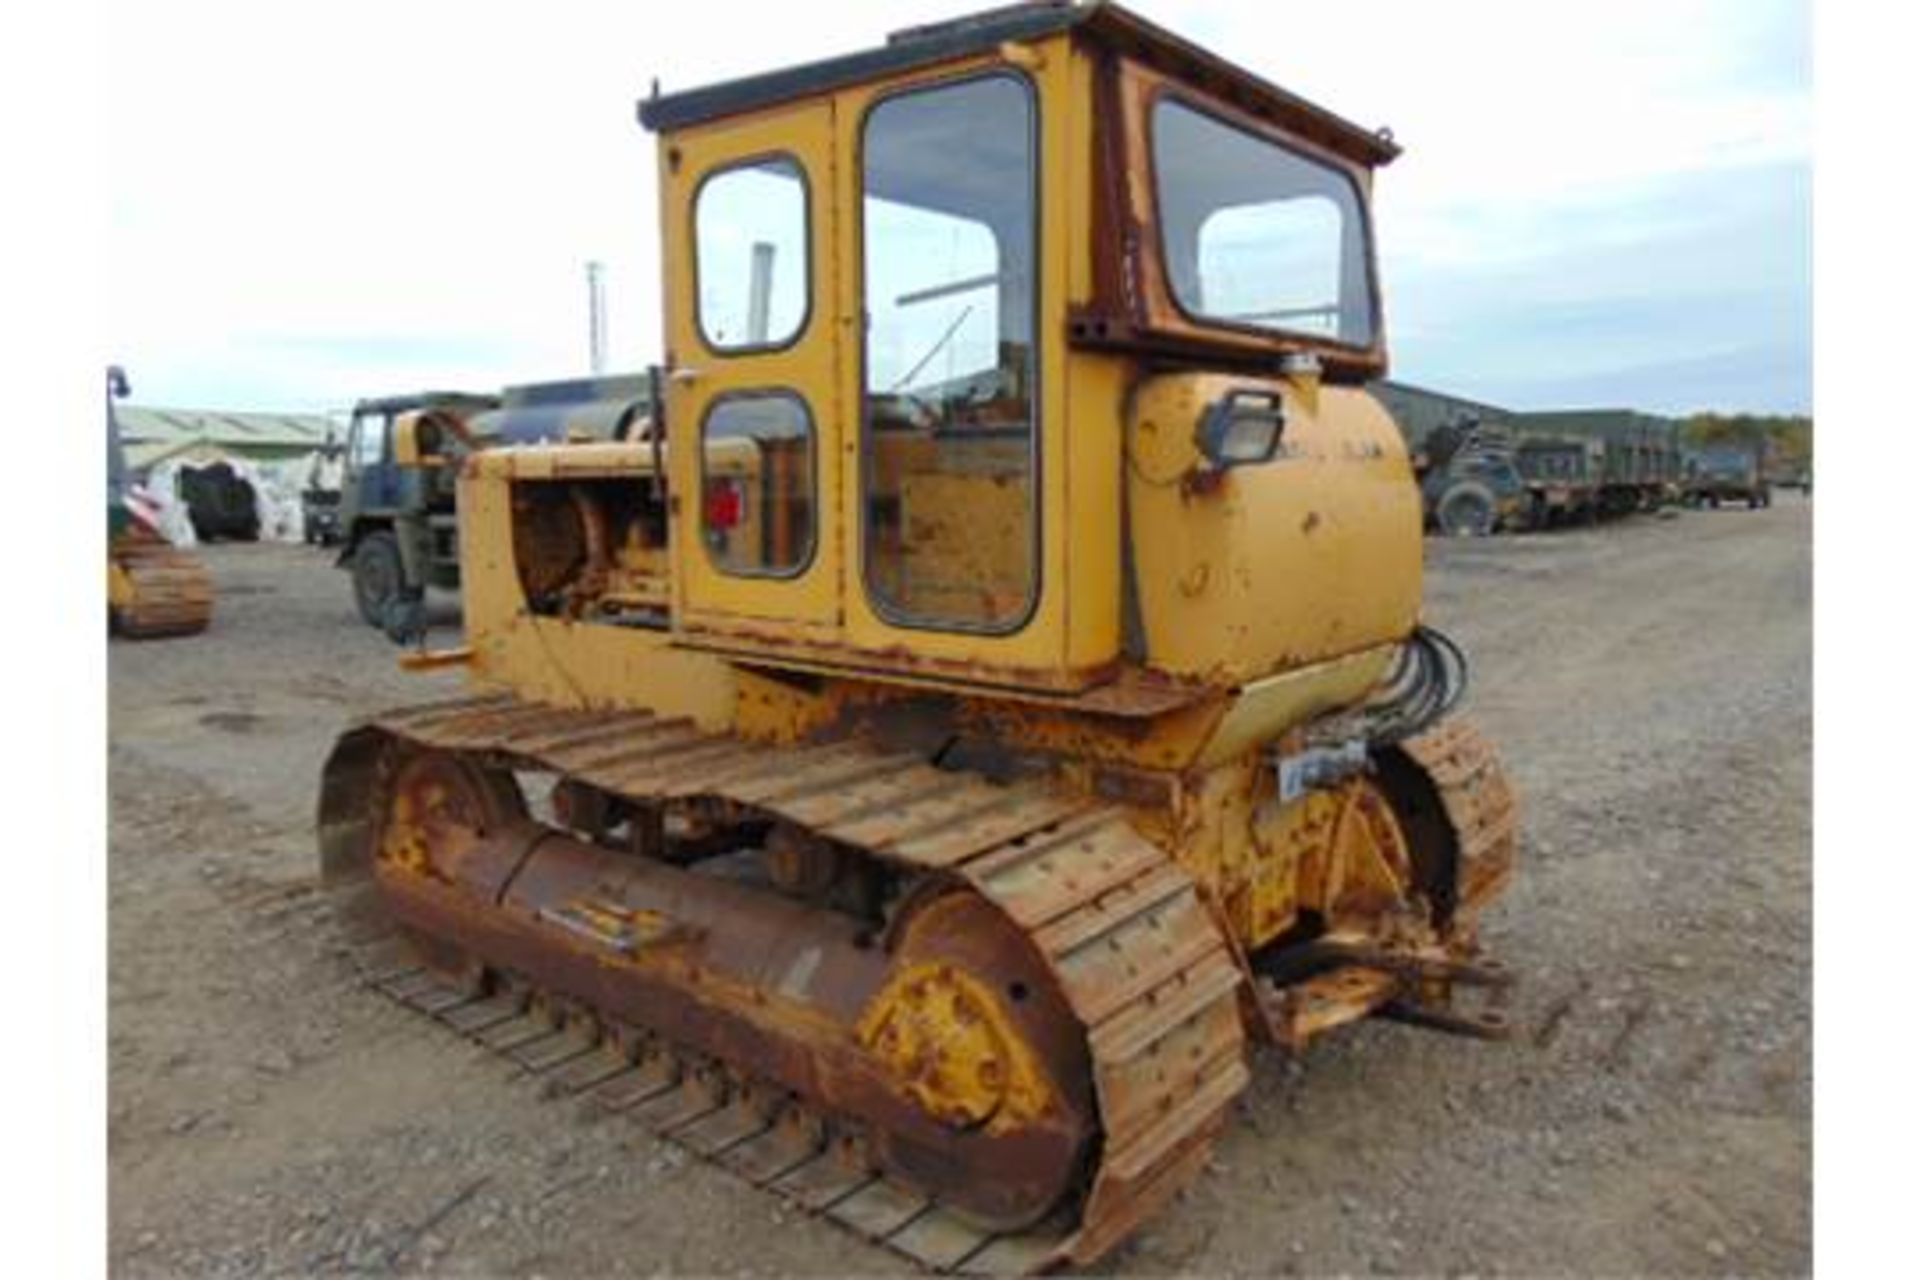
1369	249
770	392
381	420
886	610
755	161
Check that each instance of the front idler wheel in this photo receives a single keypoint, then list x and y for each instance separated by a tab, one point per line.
446	819
971	1030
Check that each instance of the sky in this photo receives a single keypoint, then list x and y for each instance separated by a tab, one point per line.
1598	204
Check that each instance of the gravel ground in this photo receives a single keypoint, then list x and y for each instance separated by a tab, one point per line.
1649	684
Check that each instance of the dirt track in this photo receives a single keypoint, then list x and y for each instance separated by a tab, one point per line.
1649	684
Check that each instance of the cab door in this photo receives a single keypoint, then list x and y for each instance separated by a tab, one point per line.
754	437
367	484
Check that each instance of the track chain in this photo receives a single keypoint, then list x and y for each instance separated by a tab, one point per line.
1138	956
1479	802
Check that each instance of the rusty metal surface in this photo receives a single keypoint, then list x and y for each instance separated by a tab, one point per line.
170	591
1480	806
1149	985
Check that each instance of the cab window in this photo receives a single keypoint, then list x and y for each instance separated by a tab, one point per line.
369	443
948	231
757	484
750	255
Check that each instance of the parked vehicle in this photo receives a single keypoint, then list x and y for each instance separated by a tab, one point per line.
1469	483
397	522
1728	473
320	495
1640	460
1563	478
994	700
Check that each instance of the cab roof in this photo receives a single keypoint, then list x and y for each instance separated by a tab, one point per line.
1097	21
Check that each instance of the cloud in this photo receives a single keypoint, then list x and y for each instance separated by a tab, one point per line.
1626	300
312	203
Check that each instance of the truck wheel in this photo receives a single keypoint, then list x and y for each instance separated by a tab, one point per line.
1467	511
377	576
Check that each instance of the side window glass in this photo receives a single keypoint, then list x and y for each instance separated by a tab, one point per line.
750	255
369	441
1274	264
757	484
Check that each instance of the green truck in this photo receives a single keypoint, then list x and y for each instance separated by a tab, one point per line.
1564	477
1734	472
1640	459
1469	483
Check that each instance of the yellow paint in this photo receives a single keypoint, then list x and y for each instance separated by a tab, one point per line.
1271	594
406	442
435	659
945	1041
1310	556
554	660
1338	852
705	594
1264	709
405	844
120	589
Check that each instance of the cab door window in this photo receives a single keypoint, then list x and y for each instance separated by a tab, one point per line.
757	484
369	441
750	255
949	239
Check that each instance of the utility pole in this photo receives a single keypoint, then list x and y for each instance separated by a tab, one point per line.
597	317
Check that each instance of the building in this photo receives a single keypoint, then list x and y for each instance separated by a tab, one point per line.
200	436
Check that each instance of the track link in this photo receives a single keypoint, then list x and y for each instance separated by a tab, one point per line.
1139	958
1480	806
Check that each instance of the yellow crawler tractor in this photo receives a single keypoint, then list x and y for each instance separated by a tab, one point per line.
992	698
153	588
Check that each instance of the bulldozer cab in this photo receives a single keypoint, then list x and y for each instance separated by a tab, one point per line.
919	282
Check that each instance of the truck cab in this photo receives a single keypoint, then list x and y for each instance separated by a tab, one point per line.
1469	483
398	516
396	524
1562	476
1727	473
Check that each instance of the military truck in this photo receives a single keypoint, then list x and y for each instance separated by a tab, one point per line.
1640	463
397	523
1728	473
1562	475
1469	484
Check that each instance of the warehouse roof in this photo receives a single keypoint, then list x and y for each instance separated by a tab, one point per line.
140	424
152	435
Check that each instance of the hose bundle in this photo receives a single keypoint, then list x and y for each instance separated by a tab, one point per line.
1427	681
